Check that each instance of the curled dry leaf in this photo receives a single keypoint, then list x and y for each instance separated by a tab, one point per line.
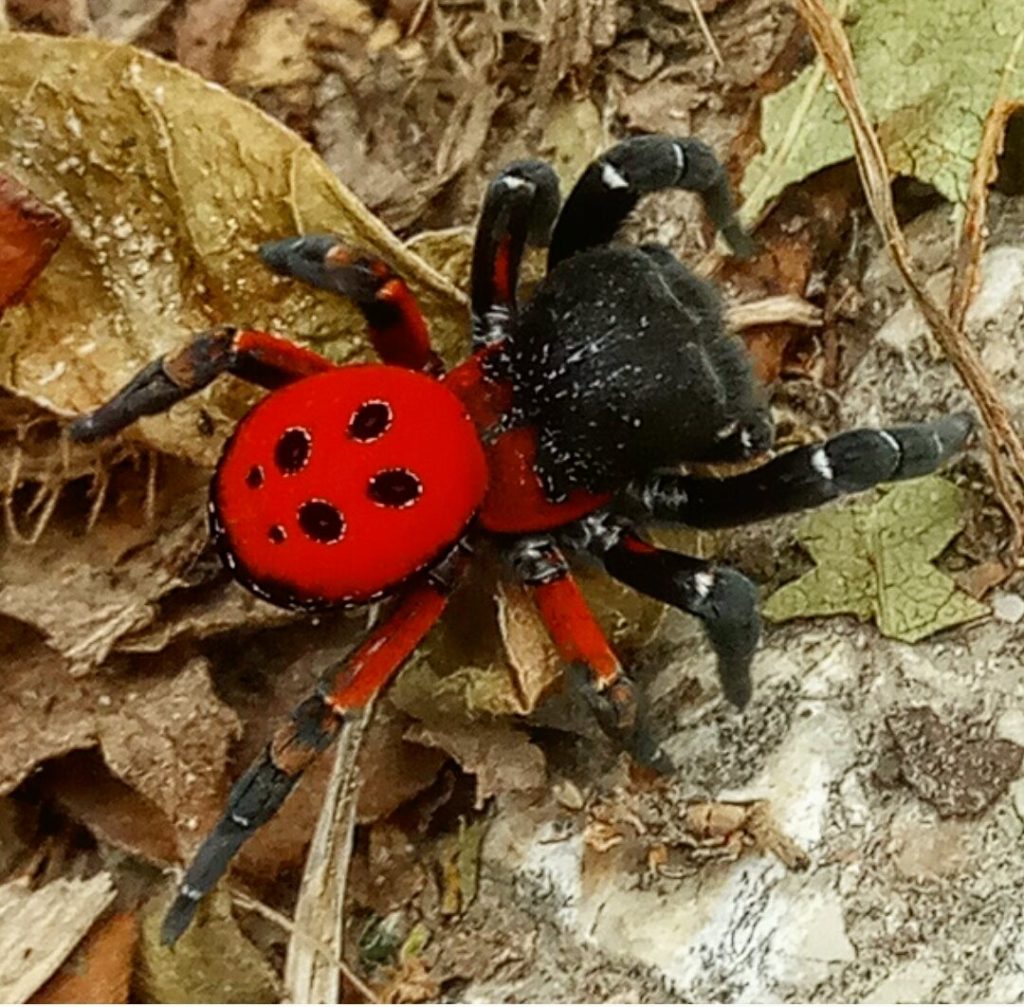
169	184
166	735
87	591
30	232
501	758
38	929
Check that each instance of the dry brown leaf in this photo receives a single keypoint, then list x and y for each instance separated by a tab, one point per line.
100	970
30	232
393	770
125	20
501	758
85	592
82	786
213	962
38	929
533	659
205	31
166	735
170	184
271	49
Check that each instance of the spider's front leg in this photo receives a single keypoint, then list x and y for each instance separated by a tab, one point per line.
259	357
314	725
805	477
612	185
539	564
722	598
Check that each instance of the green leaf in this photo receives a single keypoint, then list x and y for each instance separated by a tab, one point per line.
929	71
874	560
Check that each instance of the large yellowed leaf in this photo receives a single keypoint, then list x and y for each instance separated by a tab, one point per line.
169	184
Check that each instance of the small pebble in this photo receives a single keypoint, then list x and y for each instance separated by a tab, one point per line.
1008	607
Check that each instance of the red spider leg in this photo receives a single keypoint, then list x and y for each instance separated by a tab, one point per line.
313	726
581	642
259	357
396	326
519	208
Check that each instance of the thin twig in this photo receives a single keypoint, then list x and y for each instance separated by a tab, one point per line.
320	910
778	310
1006	451
967	265
706	32
246	901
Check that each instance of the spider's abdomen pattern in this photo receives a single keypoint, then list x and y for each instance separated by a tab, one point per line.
340	486
620	364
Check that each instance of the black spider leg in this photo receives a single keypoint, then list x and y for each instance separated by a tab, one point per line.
313	726
722	598
613	184
752	431
805	477
259	357
618	705
519	209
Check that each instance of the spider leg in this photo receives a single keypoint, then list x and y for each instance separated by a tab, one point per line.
314	724
612	185
259	357
617	704
397	328
807	476
722	598
520	207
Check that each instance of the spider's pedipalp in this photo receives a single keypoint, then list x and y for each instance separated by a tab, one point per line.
808	476
613	184
396	326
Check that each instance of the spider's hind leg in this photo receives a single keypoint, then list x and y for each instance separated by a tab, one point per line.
540	565
722	598
313	726
805	477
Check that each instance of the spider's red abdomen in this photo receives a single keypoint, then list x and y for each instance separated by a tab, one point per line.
338	487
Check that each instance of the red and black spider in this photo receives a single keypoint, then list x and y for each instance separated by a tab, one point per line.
566	425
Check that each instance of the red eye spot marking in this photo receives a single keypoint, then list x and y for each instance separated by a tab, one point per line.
254	479
395	488
276	534
370	421
292	451
321	521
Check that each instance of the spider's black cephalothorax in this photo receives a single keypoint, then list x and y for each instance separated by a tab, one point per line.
561	434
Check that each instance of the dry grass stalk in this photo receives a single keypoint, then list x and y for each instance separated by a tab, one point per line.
1005	448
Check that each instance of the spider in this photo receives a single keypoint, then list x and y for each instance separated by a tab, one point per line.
564	430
